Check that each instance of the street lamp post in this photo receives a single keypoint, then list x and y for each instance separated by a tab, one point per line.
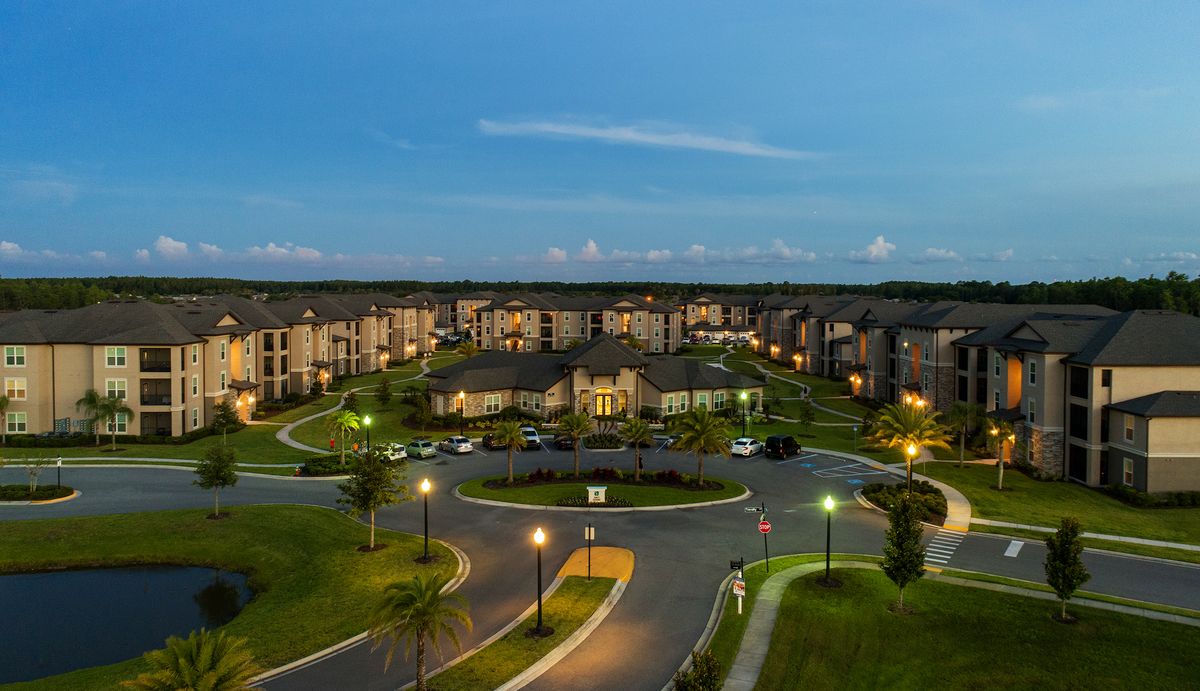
367	424
911	454
828	531
425	491
462	410
744	397
539	631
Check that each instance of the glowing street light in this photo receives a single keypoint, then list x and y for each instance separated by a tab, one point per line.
367	423
828	530
910	453
462	410
425	486
539	631
744	397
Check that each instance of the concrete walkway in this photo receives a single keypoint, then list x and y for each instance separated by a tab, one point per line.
958	508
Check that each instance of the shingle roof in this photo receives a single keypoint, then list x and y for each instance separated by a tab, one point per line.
115	322
603	355
881	313
498	369
326	308
1145	338
1039	333
669	373
253	312
1162	404
950	314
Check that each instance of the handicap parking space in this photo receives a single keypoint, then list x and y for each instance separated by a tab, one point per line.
834	468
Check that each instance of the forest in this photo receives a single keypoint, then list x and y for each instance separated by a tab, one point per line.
1176	291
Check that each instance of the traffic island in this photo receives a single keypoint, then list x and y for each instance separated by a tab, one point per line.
619	496
573	607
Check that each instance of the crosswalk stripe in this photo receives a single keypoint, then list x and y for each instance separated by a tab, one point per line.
936	561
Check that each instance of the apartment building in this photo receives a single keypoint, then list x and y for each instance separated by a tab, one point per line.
539	322
714	309
414	324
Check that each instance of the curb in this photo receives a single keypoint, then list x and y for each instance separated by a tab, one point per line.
866	503
578	509
189	468
43	502
710	629
464	570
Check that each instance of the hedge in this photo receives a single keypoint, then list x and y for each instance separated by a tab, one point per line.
929	499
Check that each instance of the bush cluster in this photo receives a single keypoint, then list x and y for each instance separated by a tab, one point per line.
42	493
29	441
610	501
1146	500
328	464
929	499
603	441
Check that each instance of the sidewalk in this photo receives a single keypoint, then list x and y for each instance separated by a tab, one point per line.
1096	536
958	509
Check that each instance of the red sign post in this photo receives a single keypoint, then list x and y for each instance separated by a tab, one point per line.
764	526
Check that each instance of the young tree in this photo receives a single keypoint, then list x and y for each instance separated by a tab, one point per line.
225	419
33	469
89	405
573	343
1065	571
806	414
963	416
1001	433
508	433
350	403
907	426
574	426
373	485
342	424
418	611
701	433
216	471
110	409
207	660
467	349
704	674
423	415
903	555
383	392
637	432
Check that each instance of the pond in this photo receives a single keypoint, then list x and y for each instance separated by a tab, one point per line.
64	620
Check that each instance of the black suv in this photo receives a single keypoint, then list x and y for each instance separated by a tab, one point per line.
491	442
781	446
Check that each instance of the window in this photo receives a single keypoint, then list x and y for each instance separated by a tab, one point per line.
528	345
639	317
701	400
996	400
567	316
307	337
248	377
524	399
115	388
537	401
1105	377
996	365
582	316
639	332
487	331
491	403
222	346
121	426
1079	382
925	382
610	331
1128	428
15	423
195	418
656	332
610	317
582	331
224	377
247	347
670	404
195	385
195	354
566	330
657	346
14	388
683	402
718	400
14	356
1127	471
656	318
1031	410
114	356
1032	373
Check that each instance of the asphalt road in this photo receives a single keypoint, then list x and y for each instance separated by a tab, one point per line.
682	555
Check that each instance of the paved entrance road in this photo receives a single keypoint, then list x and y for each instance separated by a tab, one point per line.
682	555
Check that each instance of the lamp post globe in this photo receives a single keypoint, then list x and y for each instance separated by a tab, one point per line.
744	397
367	424
539	631
462	410
828	530
425	487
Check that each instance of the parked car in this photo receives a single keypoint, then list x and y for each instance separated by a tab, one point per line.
781	446
491	443
420	448
533	440
564	443
670	441
456	445
391	451
745	446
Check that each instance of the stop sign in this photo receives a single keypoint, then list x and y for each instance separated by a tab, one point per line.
764	526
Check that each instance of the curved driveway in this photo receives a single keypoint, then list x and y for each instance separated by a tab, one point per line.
682	555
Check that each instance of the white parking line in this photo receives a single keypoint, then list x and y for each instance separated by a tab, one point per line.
1014	547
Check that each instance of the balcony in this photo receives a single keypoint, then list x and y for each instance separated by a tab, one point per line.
156	393
155	359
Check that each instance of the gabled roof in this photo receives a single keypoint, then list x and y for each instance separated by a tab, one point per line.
603	355
723	299
1038	333
117	322
1162	404
951	314
668	373
311	309
498	369
1145	338
884	313
252	312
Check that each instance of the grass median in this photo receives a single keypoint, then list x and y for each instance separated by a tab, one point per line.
549	494
253	444
961	637
312	587
575	600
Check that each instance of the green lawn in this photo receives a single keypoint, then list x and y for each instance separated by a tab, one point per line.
1044	503
253	443
1110	545
638	495
964	638
839	438
300	412
312	587
703	351
575	600
387	424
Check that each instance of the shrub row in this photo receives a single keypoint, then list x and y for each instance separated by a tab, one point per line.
1146	500
603	441
611	474
42	493
610	501
928	498
29	441
328	464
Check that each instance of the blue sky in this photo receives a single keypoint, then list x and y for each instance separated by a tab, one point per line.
851	142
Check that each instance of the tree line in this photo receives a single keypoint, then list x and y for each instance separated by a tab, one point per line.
1175	292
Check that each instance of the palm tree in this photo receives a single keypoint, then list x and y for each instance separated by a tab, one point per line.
417	610
206	660
109	409
467	349
89	405
574	426
1001	431
508	433
633	342
3	427
703	434
573	344
962	416
637	432
911	428
342	424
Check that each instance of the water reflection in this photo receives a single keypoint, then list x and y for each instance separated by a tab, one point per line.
219	601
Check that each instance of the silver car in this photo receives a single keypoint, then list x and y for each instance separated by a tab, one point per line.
421	448
745	446
456	445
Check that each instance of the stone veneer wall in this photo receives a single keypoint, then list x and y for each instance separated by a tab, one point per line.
943	388
1045	449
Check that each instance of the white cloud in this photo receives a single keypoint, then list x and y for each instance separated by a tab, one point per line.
695	253
877	252
781	251
658	256
284	252
271	201
10	249
98	255
935	254
385	138
555	255
590	252
432	261
170	248
640	135
210	251
142	255
1093	99
1174	257
1003	255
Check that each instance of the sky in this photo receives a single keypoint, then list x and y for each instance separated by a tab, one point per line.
936	140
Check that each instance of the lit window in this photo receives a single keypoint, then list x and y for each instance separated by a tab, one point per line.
1128	428
14	388
491	403
14	356
1127	474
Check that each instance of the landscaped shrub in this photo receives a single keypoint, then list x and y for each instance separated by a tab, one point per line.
609	473
610	501
42	493
929	499
603	441
650	413
1145	500
327	464
539	475
29	441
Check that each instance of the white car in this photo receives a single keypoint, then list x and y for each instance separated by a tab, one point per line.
745	446
390	451
533	440
456	445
